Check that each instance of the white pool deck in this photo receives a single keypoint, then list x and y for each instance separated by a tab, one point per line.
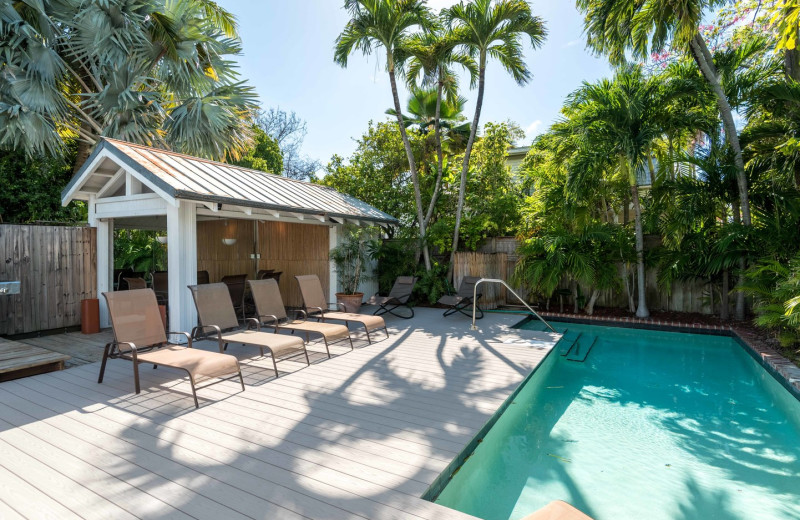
361	435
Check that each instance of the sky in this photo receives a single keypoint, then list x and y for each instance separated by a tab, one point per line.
288	57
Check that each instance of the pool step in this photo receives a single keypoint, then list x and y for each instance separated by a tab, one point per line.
568	341
581	349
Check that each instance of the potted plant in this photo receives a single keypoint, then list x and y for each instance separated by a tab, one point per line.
350	263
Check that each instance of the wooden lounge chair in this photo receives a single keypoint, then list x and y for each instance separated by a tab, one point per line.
270	312
215	313
462	300
316	307
398	297
139	337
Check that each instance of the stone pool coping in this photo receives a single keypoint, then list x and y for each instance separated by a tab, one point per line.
784	370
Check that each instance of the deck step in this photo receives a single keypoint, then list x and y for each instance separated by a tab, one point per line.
568	341
582	348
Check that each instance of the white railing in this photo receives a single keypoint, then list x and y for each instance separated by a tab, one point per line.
497	280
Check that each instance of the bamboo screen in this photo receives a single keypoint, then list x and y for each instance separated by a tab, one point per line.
291	248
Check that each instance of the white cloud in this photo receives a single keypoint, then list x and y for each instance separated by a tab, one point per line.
533	130
572	43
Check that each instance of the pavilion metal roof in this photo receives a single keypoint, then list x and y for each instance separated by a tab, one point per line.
192	178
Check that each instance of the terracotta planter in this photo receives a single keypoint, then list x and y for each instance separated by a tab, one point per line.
352	302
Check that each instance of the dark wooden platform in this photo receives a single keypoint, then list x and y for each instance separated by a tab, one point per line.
21	360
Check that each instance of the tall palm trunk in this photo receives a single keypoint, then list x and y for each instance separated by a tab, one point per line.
791	64
412	164
641	310
465	167
705	61
84	147
437	136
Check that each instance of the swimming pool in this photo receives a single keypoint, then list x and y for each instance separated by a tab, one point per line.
655	425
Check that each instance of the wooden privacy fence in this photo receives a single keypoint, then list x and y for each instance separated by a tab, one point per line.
57	268
497	258
485	265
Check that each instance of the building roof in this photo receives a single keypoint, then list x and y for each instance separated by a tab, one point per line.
192	178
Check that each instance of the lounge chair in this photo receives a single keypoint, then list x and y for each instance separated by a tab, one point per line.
398	297
316	307
134	283
160	284
270	312
236	285
203	278
215	313
557	510
139	337
463	298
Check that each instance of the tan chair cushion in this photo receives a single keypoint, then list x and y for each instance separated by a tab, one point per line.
200	363
279	344
331	331
370	322
557	510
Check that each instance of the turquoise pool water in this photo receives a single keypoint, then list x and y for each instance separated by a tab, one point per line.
653	425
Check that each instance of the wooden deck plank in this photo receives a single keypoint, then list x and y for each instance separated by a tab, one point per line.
200	440
19	495
49	479
361	435
16	358
168	482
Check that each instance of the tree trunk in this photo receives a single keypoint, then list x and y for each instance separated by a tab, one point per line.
740	281
465	167
706	63
641	310
437	132
626	213
84	149
628	290
412	164
589	309
724	311
791	64
573	286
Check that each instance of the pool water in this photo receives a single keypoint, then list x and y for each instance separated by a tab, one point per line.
652	425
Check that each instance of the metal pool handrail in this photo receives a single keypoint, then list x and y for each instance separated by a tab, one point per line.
497	280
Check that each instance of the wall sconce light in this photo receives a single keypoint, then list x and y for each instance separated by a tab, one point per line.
228	241
161	239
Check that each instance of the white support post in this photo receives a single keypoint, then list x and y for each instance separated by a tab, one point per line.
333	237
181	265
105	258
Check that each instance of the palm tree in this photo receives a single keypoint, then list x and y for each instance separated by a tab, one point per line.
485	29
618	119
153	73
387	23
616	26
430	57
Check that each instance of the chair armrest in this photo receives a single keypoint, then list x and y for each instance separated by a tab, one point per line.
188	337
271	317
273	321
254	322
320	309
339	306
303	315
134	351
200	328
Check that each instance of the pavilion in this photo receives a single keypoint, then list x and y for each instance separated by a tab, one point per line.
218	217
